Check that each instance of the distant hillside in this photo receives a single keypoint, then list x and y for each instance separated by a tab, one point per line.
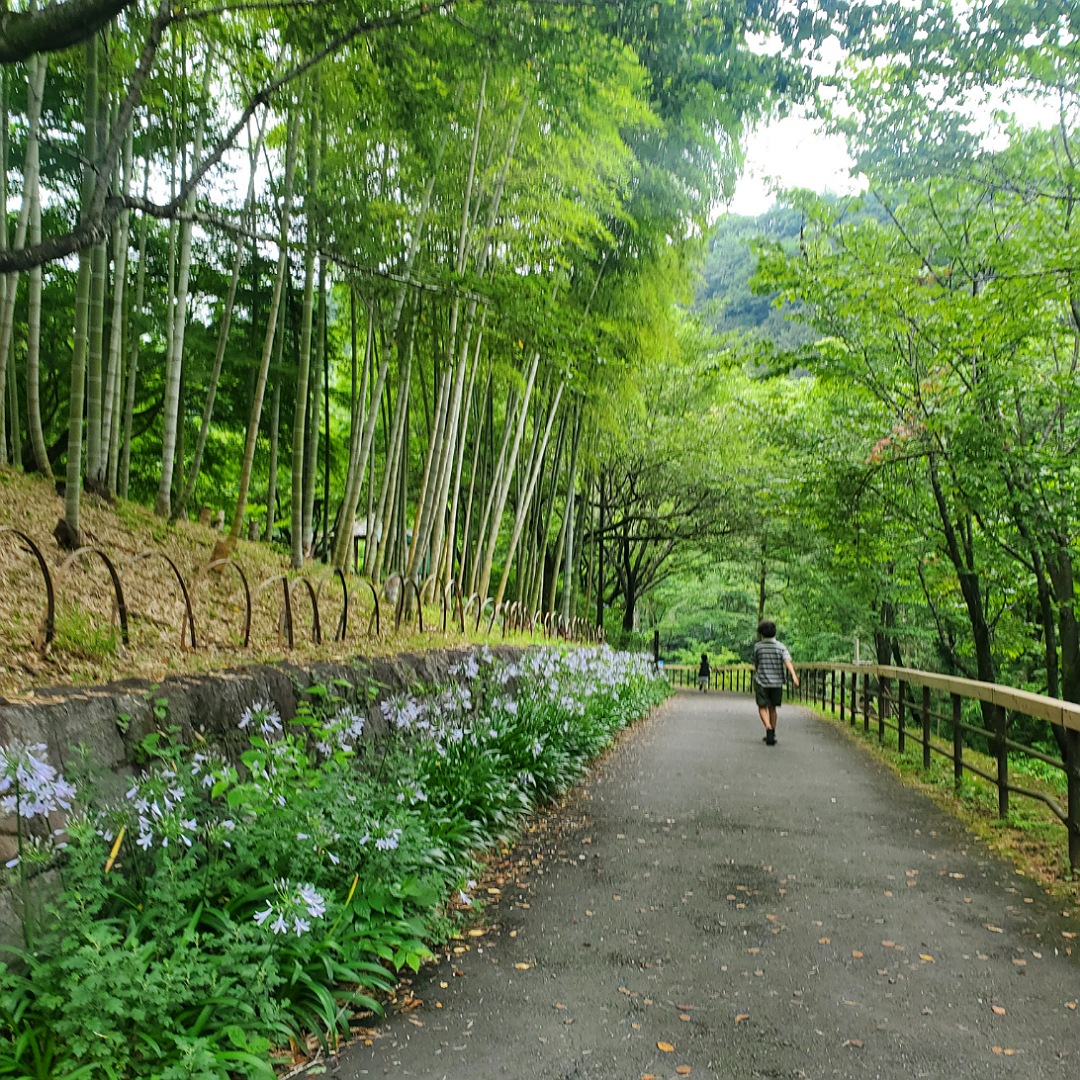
725	299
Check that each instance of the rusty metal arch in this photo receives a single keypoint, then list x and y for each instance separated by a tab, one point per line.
47	627
474	598
405	583
188	623
397	601
343	622
286	591
450	599
459	603
375	616
426	582
316	625
481	608
243	580
121	606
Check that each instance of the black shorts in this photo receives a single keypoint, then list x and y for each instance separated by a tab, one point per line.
768	695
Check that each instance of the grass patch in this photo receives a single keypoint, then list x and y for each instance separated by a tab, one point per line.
81	635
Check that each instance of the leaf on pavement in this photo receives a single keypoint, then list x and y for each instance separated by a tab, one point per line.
926	958
856	954
741	1017
858	1044
683	1070
523	966
666	1047
994	929
997	1010
824	941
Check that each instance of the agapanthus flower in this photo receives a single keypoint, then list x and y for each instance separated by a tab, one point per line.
292	907
411	792
341	732
263	717
29	785
383	837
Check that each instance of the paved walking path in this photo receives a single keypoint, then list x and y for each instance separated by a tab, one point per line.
789	912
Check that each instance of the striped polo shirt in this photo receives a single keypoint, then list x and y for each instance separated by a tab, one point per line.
769	657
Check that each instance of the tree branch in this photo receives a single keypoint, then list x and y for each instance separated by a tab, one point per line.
103	210
53	28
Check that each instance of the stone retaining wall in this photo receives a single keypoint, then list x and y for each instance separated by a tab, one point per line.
110	721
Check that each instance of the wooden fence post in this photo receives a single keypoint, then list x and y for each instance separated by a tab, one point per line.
883	704
1001	724
866	702
901	714
926	727
1072	765
957	741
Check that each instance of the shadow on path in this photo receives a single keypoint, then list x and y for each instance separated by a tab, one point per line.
788	911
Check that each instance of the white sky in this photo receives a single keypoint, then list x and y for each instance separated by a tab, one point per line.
791	153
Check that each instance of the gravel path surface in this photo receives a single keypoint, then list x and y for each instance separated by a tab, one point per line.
787	911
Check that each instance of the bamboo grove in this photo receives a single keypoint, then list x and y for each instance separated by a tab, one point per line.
361	268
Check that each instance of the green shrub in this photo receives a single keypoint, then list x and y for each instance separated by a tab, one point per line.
224	907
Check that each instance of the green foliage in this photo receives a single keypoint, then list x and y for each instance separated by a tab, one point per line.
223	907
82	633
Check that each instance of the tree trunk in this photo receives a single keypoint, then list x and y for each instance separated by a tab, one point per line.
110	422
227	311
33	317
268	341
303	367
68	531
311	453
9	416
536	467
375	546
134	316
504	487
569	580
99	279
174	361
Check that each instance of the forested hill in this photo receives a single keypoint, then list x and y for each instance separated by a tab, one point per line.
725	299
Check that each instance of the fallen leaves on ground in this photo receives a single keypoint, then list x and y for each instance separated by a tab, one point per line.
665	1047
741	1017
998	1010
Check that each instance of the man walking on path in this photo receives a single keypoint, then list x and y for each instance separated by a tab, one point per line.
770	659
